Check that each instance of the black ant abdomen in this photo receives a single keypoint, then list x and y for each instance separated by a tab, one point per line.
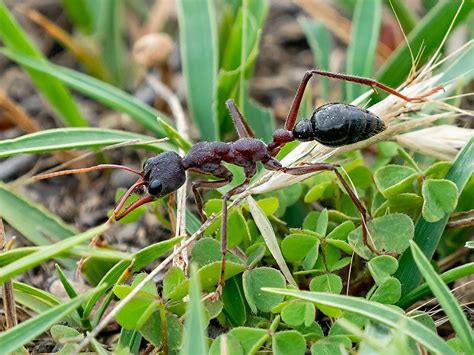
338	124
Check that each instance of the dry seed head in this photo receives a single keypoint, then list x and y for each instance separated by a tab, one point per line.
153	49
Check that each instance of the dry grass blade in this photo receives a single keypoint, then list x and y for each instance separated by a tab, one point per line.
182	259
268	235
8	297
442	142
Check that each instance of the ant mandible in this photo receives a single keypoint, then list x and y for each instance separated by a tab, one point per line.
333	124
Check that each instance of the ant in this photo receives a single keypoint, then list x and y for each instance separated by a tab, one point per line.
333	124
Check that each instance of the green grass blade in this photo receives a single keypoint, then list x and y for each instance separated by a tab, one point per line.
363	44
446	299
429	33
195	338
80	15
27	263
319	41
18	336
45	296
77	252
57	95
376	311
74	138
427	235
408	18
447	277
43	227
109	33
104	93
237	64
199	52
71	292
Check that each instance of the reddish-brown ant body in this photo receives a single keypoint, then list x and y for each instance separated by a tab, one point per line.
333	124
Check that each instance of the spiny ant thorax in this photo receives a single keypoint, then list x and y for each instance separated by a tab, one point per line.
164	174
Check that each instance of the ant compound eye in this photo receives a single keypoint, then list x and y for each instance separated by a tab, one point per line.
155	187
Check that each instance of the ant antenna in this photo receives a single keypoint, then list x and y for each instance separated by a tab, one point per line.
86	170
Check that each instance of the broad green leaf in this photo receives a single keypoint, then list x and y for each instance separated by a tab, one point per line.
295	247
408	203
251	339
60	333
129	342
27	263
446	299
288	342
438	170
331	345
199	53
390	233
173	277
195	337
341	231
235	306
427	235
296	313
142	258
326	283
254	280
388	292
232	345
318	192
424	39
74	138
322	224
104	93
392	180
377	312
28	330
209	276
58	96
361	53
382	267
153	332
440	199
208	250
140	308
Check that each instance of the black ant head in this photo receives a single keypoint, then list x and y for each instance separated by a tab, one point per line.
164	174
303	131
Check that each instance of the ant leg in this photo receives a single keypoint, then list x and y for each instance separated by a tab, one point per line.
196	185
374	83
292	115
241	125
310	168
250	171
